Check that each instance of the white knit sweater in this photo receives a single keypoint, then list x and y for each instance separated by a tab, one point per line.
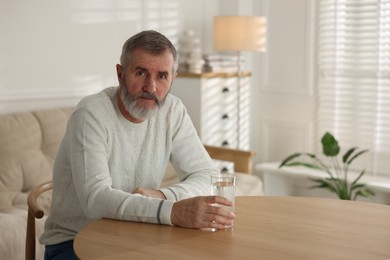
104	157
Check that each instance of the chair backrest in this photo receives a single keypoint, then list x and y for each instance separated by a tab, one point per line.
242	159
34	211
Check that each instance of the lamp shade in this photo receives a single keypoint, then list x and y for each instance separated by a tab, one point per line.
239	33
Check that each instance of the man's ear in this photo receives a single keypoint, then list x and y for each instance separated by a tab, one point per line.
119	71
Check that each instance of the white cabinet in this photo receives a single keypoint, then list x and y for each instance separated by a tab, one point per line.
213	103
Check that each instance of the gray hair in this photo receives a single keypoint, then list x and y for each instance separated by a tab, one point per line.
150	41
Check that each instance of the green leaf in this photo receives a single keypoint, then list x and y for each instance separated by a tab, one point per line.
358	186
357	155
293	156
357	179
289	158
330	146
361	190
308	165
348	153
364	192
324	183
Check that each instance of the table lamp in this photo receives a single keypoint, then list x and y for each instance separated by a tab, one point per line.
239	33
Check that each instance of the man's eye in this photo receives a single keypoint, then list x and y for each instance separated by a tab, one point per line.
162	76
140	73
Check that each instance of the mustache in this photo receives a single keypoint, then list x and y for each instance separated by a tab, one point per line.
148	96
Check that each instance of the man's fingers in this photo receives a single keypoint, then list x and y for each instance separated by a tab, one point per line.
219	200
217	222
219	217
222	219
202	212
220	211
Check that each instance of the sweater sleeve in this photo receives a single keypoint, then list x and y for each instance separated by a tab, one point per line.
189	158
89	156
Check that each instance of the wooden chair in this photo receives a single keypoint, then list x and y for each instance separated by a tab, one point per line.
34	211
242	159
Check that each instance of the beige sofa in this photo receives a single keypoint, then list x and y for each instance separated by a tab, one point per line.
28	145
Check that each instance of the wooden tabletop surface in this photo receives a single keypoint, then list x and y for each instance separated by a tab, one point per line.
264	228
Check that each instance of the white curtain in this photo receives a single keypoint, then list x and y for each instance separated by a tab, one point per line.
353	77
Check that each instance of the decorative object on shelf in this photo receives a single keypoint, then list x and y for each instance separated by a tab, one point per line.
190	54
239	33
337	182
225	63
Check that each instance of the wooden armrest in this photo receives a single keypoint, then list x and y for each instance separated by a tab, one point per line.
33	206
242	159
34	211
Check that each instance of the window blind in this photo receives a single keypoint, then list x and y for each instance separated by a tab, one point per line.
353	77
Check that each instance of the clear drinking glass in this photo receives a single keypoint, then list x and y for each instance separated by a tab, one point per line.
224	185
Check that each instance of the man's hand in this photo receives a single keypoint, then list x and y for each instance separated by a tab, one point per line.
199	212
150	193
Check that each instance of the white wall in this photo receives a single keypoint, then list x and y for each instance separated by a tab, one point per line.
283	90
52	54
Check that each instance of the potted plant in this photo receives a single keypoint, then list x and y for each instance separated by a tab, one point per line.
337	171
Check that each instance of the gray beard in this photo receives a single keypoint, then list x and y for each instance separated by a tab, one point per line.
130	104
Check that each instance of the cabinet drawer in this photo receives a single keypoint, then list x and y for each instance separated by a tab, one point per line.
222	138
220	122
215	92
218	108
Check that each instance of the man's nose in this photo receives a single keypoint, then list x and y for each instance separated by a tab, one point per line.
150	85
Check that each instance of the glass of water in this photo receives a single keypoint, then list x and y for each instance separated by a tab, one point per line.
224	185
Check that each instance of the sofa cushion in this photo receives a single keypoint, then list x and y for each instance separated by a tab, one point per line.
28	147
248	185
12	199
13	234
53	125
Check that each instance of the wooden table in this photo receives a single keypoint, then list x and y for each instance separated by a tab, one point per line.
265	228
